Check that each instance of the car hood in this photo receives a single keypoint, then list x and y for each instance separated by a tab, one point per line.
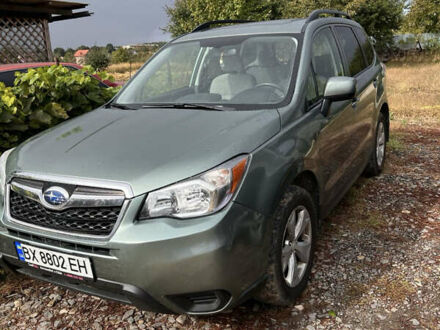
147	148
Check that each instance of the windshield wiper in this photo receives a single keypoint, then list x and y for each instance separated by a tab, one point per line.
186	106
119	106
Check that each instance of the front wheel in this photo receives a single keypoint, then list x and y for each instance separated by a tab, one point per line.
378	156
293	245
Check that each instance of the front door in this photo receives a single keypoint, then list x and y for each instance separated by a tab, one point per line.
335	143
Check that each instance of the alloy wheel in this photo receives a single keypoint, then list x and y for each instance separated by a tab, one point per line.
380	144
296	246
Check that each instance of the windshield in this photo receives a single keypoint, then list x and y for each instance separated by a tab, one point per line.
229	72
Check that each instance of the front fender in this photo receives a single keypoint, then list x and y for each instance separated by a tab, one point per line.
275	164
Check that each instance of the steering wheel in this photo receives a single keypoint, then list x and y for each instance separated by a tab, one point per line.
281	93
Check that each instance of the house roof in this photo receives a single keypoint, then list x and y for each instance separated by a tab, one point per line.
49	9
81	53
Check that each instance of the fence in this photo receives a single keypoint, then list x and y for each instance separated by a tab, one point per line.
24	39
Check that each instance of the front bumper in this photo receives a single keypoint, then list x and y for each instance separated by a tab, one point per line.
162	264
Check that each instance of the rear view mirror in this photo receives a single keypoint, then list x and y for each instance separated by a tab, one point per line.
338	89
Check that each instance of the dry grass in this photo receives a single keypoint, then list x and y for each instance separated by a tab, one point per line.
414	92
124	67
121	71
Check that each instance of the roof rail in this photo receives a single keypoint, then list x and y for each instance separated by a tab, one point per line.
317	13
207	25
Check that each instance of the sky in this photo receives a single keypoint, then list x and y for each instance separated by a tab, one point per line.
120	22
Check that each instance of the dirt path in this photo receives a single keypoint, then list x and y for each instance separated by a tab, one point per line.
377	264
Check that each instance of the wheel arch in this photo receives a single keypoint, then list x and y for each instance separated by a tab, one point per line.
309	182
385	111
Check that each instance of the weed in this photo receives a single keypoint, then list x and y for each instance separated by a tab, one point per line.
395	290
395	143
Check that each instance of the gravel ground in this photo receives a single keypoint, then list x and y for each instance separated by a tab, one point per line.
377	264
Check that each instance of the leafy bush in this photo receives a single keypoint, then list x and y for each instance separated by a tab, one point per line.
98	58
44	97
122	55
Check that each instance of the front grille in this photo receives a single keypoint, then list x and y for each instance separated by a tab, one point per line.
58	243
88	221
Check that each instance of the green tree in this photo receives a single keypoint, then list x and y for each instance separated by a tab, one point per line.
98	58
185	15
302	8
380	17
59	52
121	55
423	17
68	56
110	48
83	47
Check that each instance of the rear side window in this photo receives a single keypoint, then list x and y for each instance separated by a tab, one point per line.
7	78
326	60
366	45
352	50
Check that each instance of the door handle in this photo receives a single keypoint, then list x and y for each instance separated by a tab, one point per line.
375	82
354	103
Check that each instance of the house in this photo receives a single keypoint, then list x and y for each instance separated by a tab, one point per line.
80	56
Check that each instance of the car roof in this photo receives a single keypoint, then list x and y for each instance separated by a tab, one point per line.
21	66
267	27
285	26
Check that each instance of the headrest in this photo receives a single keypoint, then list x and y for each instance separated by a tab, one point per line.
266	58
230	62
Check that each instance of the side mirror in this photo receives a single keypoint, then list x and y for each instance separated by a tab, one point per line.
338	89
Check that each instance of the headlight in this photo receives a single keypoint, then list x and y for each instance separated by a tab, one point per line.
201	195
3	159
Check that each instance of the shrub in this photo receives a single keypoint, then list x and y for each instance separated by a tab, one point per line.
98	58
68	57
122	55
44	97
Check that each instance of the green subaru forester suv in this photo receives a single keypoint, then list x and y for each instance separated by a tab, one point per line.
202	183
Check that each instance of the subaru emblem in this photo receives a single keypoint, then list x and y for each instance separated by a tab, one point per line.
56	196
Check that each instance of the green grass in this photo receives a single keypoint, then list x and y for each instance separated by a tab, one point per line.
395	143
374	220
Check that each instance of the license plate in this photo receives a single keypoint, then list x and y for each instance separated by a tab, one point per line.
55	262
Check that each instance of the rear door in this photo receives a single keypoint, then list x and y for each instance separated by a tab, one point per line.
359	64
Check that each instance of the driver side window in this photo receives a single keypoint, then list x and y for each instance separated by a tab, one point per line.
326	60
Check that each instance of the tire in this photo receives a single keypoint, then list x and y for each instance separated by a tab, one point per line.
282	287
378	156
